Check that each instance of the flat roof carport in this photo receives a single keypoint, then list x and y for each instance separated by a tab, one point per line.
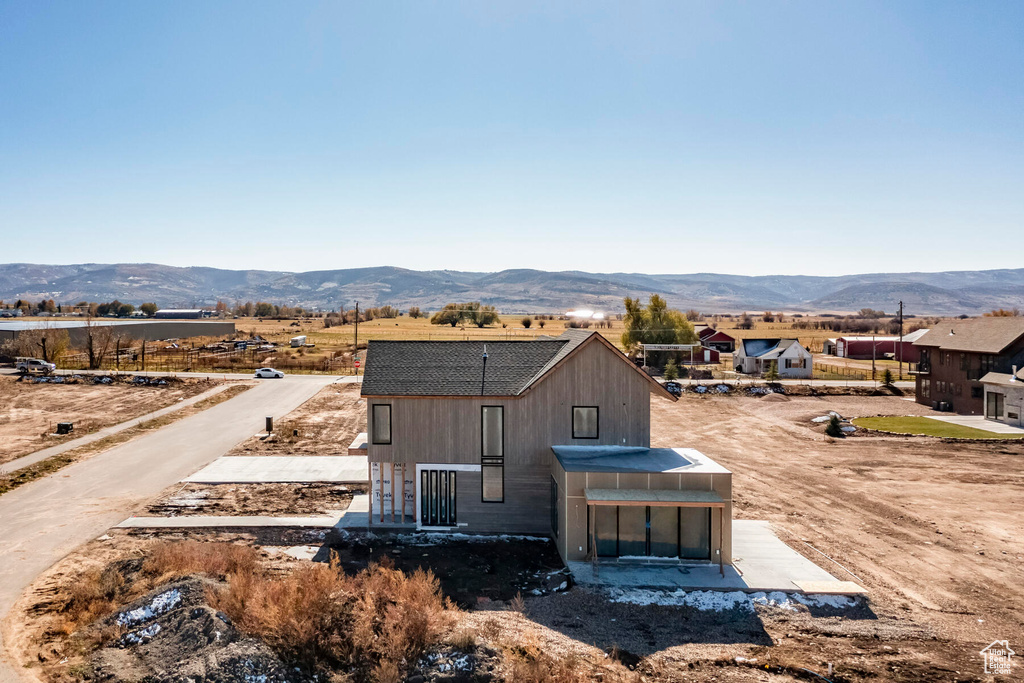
651	498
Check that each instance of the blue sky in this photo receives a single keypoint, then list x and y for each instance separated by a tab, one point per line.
769	137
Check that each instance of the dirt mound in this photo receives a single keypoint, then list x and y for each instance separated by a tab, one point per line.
775	398
173	635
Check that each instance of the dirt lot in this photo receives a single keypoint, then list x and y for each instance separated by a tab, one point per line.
253	499
30	411
932	528
327	424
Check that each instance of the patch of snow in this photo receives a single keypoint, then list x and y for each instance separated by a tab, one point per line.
776	599
834	601
140	636
848	429
716	601
720	601
162	603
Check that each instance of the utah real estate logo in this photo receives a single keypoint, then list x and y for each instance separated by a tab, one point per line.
997	657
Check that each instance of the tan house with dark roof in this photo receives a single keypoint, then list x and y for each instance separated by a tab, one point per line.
547	437
956	355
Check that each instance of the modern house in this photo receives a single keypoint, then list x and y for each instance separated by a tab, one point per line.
548	436
713	339
754	356
956	355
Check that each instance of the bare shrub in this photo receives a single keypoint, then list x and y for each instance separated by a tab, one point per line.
93	594
169	560
380	619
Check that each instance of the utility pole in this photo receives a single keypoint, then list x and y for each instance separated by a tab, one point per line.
873	347
901	340
355	353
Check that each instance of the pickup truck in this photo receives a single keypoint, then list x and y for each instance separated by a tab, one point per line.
29	365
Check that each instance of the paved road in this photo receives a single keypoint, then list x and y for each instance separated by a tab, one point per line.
43	521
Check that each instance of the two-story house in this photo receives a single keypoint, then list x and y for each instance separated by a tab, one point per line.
547	436
956	355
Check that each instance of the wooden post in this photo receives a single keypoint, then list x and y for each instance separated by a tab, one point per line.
392	492
721	540
369	474
403	493
593	537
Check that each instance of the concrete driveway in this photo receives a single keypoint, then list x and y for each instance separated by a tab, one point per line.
47	519
979	422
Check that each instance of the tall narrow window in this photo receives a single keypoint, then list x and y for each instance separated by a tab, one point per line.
382	423
492	454
584	422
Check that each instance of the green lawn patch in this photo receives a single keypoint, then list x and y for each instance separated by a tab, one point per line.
926	426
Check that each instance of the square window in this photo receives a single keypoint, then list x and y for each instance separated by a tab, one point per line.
584	422
382	424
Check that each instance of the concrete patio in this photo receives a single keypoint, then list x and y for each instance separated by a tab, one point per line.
354	517
762	562
236	469
979	422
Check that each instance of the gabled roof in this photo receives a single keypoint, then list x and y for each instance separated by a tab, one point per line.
717	336
766	348
976	335
458	368
1004	378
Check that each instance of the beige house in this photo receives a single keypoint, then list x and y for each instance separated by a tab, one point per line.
549	436
1004	397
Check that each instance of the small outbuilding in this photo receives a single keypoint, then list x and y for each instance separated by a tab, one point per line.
1004	397
636	502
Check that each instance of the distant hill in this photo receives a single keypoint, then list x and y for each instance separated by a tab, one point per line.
521	290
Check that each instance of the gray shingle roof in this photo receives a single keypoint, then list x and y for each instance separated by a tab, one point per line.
456	368
977	335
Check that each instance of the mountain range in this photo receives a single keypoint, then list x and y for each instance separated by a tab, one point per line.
528	291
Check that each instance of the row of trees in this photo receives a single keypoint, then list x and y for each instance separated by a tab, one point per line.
88	308
472	312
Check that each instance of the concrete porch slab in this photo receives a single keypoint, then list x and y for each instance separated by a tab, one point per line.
209	521
237	469
979	422
761	562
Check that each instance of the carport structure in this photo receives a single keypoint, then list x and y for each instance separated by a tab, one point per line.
615	503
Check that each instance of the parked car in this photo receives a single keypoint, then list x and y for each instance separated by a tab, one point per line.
269	373
674	388
30	365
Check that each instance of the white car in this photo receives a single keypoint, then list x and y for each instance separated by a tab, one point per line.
269	373
29	365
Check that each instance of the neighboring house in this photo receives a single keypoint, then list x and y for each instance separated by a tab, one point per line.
956	355
713	339
1004	396
868	347
548	436
754	356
